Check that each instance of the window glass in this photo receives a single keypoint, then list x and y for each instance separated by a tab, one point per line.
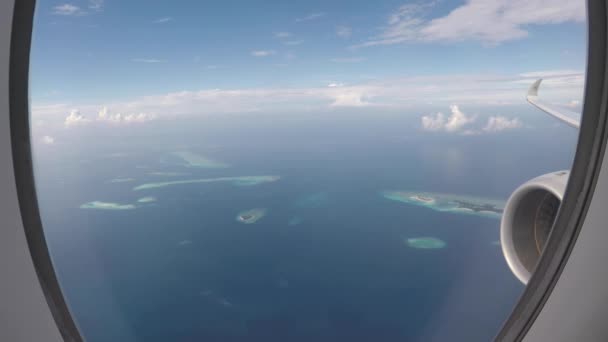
294	171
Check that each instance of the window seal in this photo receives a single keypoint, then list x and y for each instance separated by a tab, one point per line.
583	177
585	171
20	45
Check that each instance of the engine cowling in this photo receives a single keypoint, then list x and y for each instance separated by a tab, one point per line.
528	219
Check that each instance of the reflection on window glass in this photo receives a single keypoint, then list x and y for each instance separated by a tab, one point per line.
293	171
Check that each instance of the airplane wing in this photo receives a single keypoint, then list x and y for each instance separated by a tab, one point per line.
570	118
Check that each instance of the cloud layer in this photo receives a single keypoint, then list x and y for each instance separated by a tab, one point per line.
396	93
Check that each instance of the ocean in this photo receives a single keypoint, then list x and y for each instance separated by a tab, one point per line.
327	262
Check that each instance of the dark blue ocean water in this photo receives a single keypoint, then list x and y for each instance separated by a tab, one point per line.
183	269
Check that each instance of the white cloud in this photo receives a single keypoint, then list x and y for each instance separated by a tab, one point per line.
457	120
75	119
162	20
454	123
335	85
403	25
263	53
67	9
348	60
343	31
489	21
146	60
574	104
104	116
293	42
433	123
96	5
500	123
48	140
312	16
282	35
460	123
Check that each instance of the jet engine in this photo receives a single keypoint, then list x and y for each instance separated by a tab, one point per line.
528	219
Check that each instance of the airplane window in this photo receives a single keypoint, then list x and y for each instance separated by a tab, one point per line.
301	171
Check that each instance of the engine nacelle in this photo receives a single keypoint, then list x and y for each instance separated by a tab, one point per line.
528	219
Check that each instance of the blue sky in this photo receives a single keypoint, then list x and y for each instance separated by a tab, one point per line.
167	58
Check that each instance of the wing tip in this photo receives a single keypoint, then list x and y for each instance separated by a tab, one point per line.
559	114
533	91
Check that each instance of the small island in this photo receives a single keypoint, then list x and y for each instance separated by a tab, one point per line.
457	204
237	181
167	174
251	216
107	206
423	199
147	199
424	243
252	180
